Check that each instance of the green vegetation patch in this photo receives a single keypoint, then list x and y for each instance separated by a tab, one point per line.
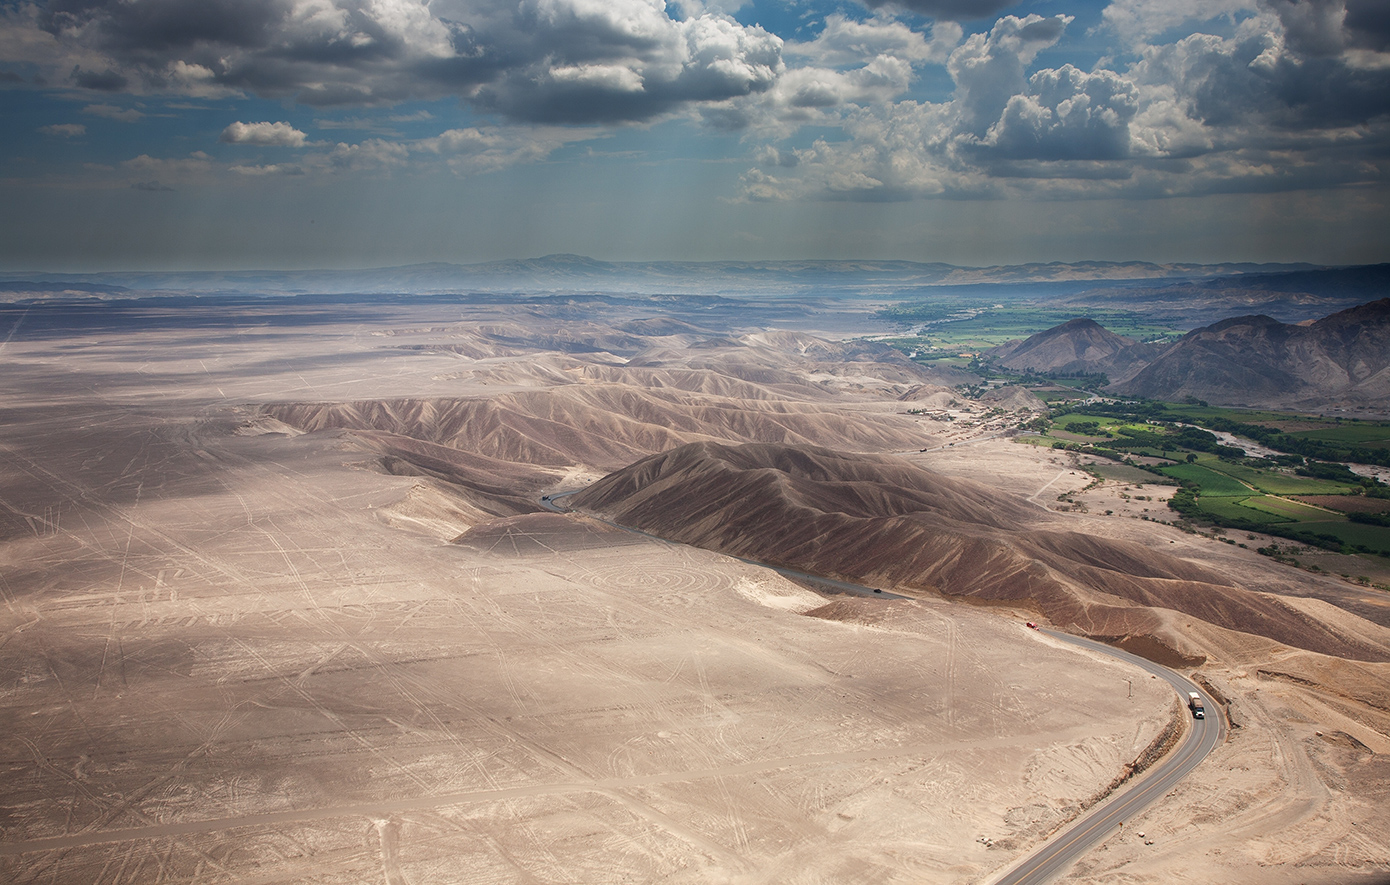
1077	384
1365	538
1289	509
1239	510
1083	423
1058	433
1276	483
1326	439
1344	441
1210	482
1161	454
1358	434
1054	396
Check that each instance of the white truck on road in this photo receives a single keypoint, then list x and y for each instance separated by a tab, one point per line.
1194	701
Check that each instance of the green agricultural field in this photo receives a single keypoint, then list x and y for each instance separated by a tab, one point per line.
1290	509
1276	483
1372	537
1278	515
1326	439
1212	483
1073	383
1239	509
1112	425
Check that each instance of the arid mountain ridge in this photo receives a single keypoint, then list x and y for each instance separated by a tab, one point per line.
1252	361
880	521
568	401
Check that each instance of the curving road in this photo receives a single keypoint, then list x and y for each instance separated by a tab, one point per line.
1065	848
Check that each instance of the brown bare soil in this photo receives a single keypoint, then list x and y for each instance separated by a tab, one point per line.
1348	503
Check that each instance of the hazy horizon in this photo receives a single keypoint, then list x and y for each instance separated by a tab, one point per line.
1273	266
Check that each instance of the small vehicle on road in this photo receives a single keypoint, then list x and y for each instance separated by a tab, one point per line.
1194	701
1033	625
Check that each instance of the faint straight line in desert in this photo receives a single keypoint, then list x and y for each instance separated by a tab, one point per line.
14	328
1034	497
611	787
114	514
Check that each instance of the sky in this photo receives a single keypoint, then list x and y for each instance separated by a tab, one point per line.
290	134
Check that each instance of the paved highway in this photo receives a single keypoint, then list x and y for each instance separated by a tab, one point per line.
1064	849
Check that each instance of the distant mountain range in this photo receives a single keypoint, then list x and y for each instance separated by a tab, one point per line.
577	273
1255	361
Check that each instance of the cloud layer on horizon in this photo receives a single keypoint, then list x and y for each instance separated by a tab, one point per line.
1253	95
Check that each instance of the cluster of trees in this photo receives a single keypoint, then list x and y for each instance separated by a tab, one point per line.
1333	472
1086	428
1094	380
1381	519
1141	410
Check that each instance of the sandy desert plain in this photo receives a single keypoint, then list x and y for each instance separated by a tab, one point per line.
280	604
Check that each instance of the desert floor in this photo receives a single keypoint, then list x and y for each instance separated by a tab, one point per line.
231	652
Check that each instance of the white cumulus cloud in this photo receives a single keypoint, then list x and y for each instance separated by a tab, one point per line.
844	41
1067	114
270	134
